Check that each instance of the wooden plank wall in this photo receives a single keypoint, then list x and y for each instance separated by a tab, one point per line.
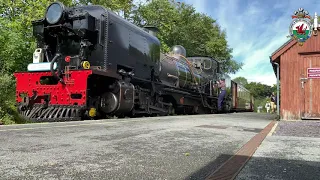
311	89
292	68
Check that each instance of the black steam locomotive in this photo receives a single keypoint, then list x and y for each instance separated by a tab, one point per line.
90	63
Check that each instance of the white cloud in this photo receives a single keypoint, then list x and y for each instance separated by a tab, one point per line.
264	78
136	2
255	30
268	79
200	5
255	58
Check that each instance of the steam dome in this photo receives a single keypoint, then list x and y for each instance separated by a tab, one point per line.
178	49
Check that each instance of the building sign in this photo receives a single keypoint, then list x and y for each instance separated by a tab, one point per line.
301	27
313	73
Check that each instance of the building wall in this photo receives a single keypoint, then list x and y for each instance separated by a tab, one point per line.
292	67
310	95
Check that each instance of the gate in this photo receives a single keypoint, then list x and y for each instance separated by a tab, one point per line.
310	87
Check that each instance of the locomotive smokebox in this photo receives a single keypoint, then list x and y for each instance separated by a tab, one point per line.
65	21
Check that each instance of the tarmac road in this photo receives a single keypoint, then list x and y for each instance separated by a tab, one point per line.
171	147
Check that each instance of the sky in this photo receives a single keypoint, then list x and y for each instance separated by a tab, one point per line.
255	29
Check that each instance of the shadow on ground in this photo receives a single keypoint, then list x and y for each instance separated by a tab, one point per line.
264	168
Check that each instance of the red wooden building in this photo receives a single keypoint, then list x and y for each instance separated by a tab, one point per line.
299	79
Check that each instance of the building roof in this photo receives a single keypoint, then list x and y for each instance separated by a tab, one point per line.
278	52
282	46
282	49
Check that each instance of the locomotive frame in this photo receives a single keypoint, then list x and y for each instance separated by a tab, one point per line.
91	63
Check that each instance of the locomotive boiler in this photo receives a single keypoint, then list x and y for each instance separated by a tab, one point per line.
90	63
187	73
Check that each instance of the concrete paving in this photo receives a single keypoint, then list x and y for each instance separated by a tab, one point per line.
292	152
171	147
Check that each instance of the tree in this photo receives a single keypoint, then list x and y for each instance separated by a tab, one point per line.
17	42
16	46
118	6
16	39
180	24
257	89
241	80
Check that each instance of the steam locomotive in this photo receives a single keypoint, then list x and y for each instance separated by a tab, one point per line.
91	63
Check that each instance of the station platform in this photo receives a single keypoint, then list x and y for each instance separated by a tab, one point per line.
292	152
170	147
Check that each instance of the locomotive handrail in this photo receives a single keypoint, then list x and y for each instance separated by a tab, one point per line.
51	68
205	103
190	67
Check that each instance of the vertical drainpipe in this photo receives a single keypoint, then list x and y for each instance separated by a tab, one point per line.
278	100
278	85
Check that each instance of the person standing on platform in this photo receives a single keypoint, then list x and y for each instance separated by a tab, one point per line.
273	102
222	86
268	106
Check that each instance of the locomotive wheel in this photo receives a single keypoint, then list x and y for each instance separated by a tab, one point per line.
213	111
133	113
195	110
172	111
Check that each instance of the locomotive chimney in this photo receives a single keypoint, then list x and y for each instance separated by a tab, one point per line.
151	30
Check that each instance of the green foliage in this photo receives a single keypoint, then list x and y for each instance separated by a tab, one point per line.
15	52
261	102
117	6
241	80
159	13
16	41
16	47
258	90
180	24
8	114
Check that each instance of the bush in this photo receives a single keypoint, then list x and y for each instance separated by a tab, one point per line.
261	102
8	113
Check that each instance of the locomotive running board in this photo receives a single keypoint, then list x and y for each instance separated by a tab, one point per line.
176	91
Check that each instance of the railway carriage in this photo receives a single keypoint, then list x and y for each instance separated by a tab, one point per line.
238	98
242	98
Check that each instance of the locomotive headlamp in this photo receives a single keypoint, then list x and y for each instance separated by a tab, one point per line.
67	59
54	12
